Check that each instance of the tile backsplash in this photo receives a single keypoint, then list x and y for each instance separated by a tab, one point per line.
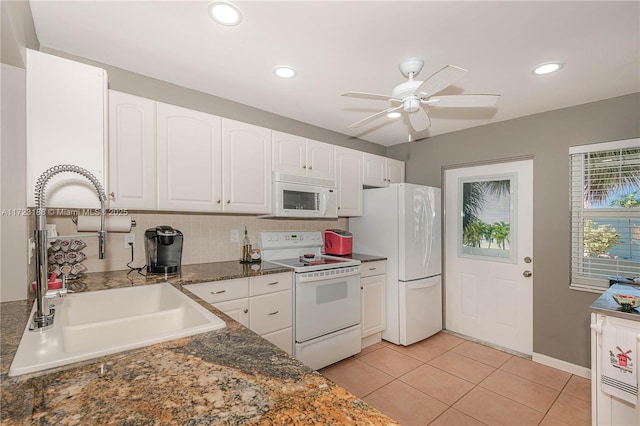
207	238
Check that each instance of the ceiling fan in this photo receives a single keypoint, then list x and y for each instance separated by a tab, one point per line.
413	95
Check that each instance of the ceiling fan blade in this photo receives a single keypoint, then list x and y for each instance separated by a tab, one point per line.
466	101
374	116
364	95
419	120
441	80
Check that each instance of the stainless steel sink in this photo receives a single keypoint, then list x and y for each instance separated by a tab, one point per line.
91	324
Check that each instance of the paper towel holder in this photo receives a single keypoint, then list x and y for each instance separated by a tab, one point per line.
74	219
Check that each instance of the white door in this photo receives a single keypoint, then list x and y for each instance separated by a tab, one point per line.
289	153
488	248
189	149
349	180
132	152
246	167
320	160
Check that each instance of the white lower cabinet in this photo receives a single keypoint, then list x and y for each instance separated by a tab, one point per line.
263	303
372	316
606	409
237	309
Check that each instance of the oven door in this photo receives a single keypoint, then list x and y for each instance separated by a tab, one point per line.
326	301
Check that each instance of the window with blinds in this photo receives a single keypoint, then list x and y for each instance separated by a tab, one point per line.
605	213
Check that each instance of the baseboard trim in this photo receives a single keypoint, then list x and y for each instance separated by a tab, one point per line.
578	370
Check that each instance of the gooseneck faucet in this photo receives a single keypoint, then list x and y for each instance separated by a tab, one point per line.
43	316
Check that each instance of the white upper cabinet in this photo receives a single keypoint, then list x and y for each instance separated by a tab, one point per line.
301	156
349	180
395	171
132	152
374	168
189	158
66	124
246	167
380	171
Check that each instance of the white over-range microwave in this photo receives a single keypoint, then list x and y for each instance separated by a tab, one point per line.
304	197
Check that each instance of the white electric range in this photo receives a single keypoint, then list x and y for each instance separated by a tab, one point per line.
326	296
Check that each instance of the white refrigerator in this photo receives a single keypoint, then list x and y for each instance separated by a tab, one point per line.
402	223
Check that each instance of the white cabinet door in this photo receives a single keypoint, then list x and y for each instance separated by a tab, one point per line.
66	113
395	171
237	309
132	152
320	160
349	181
282	339
189	150
246	167
302	157
374	169
373	301
289	153
271	312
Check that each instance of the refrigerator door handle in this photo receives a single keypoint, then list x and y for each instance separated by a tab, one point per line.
431	282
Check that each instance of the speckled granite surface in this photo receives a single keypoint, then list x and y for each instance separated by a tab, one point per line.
229	376
605	304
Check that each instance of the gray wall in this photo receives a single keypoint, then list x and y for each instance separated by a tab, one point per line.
560	315
140	85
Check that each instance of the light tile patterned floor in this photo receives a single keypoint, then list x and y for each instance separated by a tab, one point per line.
450	381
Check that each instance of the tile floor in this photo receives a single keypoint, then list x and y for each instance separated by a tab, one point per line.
447	380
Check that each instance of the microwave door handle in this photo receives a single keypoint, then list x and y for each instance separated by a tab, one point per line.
325	204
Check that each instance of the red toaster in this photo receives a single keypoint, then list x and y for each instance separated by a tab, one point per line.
337	241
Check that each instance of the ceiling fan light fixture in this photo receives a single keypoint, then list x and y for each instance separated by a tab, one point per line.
394	114
225	13
284	71
547	68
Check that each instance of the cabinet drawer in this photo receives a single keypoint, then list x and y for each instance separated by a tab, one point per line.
271	312
368	269
219	291
270	283
237	309
282	339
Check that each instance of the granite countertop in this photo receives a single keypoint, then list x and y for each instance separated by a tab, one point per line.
607	306
229	376
364	258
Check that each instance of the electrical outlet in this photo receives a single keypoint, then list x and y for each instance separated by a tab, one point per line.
235	235
129	238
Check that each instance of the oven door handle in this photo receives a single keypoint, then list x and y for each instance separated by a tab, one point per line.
307	277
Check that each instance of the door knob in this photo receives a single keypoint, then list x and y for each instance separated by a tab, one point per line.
527	274
527	259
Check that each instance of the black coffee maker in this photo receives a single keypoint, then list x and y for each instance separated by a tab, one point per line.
163	245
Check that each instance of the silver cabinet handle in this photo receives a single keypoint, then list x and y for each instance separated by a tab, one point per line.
228	201
310	167
218	292
273	283
304	167
245	310
273	313
112	195
372	269
218	201
527	274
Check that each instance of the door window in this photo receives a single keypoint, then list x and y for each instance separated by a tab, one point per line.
487	217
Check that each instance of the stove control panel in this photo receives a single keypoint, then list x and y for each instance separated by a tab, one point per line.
283	239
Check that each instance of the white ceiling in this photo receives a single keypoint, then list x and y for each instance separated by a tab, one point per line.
338	46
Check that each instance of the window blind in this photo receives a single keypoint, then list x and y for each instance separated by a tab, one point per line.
605	212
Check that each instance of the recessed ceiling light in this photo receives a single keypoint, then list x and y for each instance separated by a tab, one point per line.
547	67
284	71
394	114
225	13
